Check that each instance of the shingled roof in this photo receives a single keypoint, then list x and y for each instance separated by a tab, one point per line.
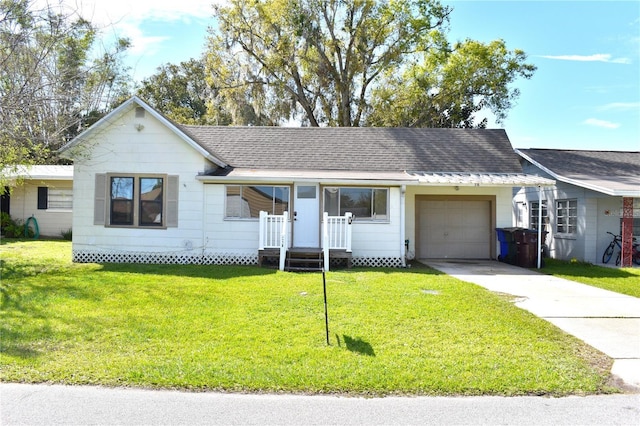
362	149
610	172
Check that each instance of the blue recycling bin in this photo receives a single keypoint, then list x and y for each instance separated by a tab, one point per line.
508	244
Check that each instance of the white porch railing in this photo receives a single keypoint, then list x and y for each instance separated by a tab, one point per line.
274	233
336	234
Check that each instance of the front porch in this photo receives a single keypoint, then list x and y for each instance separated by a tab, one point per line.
275	249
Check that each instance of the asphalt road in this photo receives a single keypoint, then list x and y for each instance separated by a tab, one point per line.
22	404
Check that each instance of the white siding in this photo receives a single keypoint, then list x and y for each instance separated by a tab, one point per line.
379	239
226	236
24	204
121	148
236	236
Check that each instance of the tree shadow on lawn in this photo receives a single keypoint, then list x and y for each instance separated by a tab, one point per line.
356	345
234	271
28	327
190	271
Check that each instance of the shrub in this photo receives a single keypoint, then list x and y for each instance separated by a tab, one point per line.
67	234
5	220
14	228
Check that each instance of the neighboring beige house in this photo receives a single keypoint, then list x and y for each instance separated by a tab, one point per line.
42	192
150	190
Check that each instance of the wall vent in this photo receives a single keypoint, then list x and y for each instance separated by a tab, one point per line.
140	112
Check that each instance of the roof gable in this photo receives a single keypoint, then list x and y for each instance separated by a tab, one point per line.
360	148
609	172
68	151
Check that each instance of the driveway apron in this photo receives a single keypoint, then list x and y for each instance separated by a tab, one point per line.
608	321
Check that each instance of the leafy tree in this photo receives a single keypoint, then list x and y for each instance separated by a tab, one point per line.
49	85
450	88
353	63
181	92
314	60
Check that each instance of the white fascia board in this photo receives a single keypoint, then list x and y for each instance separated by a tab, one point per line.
94	128
582	184
291	181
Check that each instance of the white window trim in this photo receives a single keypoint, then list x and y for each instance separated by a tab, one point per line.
357	219
64	192
250	219
136	200
564	234
534	210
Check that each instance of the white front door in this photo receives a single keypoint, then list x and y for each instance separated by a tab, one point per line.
306	215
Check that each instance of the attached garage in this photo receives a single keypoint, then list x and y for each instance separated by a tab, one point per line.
450	227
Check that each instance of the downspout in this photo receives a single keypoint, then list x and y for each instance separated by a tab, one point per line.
203	240
539	225
403	254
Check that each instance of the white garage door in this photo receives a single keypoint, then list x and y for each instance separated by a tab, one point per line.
454	229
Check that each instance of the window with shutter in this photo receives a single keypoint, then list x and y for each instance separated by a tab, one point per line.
137	201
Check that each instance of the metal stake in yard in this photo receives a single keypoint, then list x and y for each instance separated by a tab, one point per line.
326	314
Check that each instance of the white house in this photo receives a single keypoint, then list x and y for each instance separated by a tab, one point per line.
586	202
44	193
150	190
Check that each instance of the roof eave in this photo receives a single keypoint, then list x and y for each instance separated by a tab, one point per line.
412	178
289	180
580	183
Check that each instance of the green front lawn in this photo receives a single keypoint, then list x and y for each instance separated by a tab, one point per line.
236	328
620	280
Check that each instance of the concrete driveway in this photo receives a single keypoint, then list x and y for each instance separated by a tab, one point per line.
608	321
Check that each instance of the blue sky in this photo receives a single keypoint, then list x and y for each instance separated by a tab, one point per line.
584	95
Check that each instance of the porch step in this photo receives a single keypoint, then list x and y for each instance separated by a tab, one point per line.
304	259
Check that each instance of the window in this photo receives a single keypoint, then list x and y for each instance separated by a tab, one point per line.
136	201
121	212
636	226
146	201
533	223
308	192
55	198
364	203
246	202
566	216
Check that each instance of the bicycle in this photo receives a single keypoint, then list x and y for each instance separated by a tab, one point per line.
617	239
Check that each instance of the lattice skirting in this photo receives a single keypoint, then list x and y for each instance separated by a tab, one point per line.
186	258
377	262
180	258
